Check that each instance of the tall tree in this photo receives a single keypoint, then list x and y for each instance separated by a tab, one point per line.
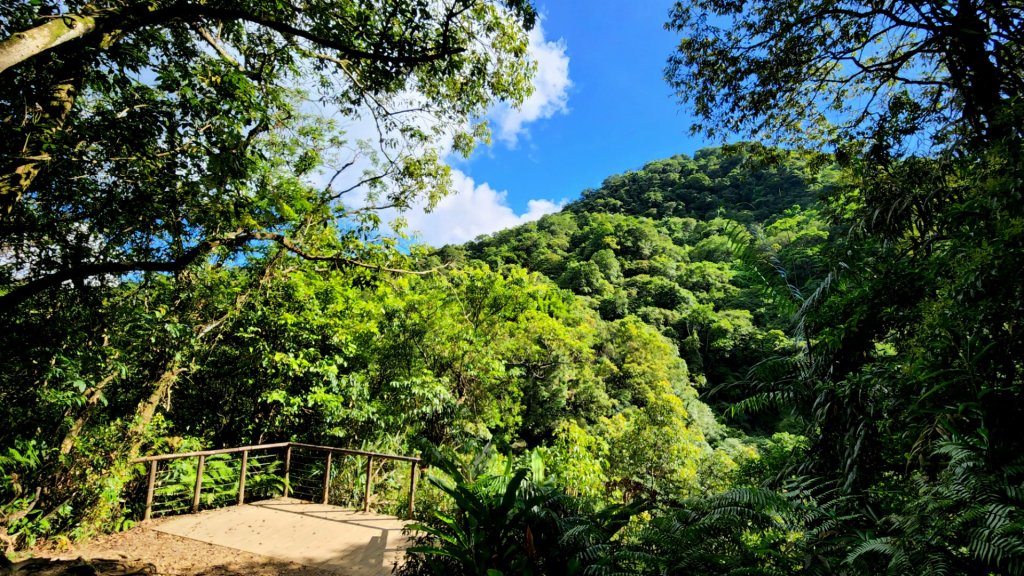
824	68
911	381
165	165
141	136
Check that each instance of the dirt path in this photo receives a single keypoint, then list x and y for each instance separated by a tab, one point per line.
176	556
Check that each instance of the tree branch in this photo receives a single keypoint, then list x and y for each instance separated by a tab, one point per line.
10	301
336	259
191	12
22	46
205	34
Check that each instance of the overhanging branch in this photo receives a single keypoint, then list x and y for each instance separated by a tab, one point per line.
27	44
10	301
15	297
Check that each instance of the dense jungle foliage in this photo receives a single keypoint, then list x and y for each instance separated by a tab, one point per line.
801	356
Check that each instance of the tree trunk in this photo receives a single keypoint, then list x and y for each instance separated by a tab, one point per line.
974	73
27	162
147	409
206	336
95	395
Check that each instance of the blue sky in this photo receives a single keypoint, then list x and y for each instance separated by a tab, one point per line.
601	107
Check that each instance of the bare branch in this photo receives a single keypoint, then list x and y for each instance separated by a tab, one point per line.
336	259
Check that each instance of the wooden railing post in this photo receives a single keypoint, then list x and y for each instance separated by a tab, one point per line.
199	483
369	475
155	460
241	477
412	488
287	467
327	477
149	490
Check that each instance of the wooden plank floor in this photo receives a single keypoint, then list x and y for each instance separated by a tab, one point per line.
342	540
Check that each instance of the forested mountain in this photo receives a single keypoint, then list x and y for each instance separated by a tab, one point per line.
633	248
584	339
748	183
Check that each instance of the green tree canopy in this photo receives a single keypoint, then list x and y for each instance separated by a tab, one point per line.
144	136
892	70
910	384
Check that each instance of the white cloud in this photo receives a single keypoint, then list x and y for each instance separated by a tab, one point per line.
472	210
550	89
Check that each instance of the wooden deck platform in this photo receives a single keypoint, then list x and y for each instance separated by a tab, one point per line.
352	543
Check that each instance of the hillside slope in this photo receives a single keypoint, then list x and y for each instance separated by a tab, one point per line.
657	244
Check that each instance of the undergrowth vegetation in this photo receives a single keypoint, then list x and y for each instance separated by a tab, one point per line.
801	356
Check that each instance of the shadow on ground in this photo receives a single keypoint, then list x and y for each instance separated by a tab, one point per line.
77	567
107	567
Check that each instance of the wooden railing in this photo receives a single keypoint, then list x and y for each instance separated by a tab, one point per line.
287	448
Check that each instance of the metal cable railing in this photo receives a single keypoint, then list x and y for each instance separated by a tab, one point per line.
215	478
